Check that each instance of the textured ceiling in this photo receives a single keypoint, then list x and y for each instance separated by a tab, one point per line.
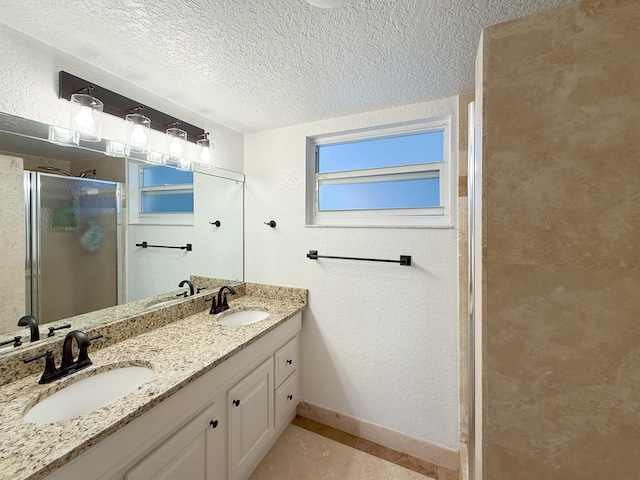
258	64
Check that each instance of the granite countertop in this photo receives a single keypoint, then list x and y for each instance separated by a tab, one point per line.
179	353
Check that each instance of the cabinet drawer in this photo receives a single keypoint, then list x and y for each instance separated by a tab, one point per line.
287	398
287	360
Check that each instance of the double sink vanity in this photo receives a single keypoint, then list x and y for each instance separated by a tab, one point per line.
171	389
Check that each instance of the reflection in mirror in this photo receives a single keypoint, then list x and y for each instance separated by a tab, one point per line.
76	217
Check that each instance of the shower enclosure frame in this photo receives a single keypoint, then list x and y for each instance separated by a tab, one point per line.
474	300
33	239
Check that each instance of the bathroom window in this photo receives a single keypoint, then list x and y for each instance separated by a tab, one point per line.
383	177
160	194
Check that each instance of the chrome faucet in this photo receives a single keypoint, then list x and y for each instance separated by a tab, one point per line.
186	282
32	323
68	365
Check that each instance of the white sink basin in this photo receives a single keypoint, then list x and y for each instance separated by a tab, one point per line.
244	317
88	394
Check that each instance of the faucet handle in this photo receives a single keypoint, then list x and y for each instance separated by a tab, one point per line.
53	329
50	372
213	304
17	341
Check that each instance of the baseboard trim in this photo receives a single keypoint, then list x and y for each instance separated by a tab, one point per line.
417	455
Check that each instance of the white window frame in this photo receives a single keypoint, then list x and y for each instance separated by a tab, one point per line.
134	201
429	217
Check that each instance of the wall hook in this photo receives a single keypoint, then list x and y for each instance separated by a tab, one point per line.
271	223
216	223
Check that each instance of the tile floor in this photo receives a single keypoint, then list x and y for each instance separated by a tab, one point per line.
300	454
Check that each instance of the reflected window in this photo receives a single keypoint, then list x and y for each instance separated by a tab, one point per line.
165	190
160	194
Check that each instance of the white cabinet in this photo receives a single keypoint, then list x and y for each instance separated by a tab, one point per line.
286	359
188	454
250	404
287	398
287	381
252	396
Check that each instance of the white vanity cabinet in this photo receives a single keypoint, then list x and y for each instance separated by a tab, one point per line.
217	428
188	454
251	424
260	407
287	381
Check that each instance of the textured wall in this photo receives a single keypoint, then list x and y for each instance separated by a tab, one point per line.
12	285
561	127
260	64
379	341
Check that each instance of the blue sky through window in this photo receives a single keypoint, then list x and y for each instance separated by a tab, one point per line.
159	176
411	149
417	193
167	202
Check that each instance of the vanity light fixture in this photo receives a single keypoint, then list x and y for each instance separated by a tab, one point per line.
86	115
176	143
121	106
205	155
138	132
327	3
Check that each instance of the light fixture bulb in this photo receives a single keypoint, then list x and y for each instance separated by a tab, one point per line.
138	136
84	119
206	158
176	147
138	133
86	113
327	3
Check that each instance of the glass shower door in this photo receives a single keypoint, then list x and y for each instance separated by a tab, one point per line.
74	246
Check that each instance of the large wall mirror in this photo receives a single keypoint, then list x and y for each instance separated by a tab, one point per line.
75	219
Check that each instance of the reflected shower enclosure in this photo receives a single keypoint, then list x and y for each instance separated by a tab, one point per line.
73	241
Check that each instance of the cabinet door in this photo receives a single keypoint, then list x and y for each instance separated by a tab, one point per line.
188	454
250	419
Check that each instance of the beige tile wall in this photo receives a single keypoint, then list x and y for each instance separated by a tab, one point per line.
12	280
561	331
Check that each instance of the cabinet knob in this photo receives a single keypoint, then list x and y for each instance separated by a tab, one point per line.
236	403
289	361
213	423
290	397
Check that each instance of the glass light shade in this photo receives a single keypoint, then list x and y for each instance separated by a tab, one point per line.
185	164
115	149
86	115
176	144
138	133
205	154
63	136
156	157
